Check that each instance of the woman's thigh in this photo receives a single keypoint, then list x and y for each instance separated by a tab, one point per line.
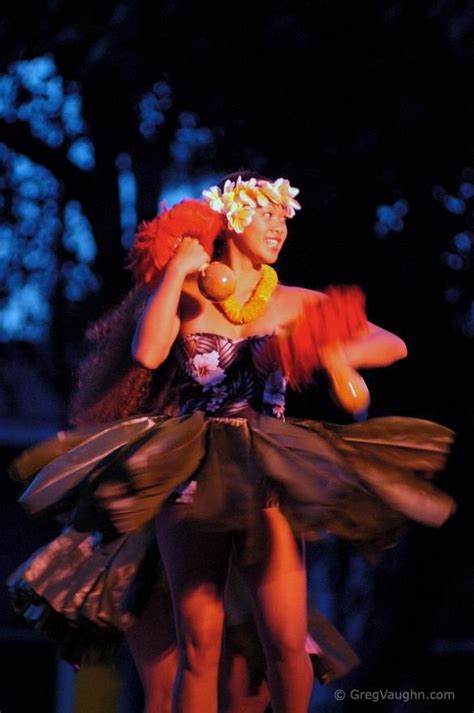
196	564
277	582
152	640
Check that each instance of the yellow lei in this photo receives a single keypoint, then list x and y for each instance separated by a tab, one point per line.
256	304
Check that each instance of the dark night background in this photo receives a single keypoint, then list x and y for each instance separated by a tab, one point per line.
368	109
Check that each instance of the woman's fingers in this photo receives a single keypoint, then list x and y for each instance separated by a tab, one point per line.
191	255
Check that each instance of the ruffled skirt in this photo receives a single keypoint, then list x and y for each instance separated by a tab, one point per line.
362	482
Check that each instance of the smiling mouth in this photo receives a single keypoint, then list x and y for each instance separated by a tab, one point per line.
272	242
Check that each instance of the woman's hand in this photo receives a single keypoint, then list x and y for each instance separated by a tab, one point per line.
347	385
189	257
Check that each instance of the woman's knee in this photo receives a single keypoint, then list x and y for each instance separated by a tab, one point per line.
200	638
284	643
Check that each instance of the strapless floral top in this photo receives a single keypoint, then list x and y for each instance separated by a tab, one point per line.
224	376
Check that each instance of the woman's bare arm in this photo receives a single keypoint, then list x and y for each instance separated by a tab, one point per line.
159	323
376	348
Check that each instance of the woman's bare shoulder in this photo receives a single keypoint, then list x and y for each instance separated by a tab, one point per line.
292	301
300	294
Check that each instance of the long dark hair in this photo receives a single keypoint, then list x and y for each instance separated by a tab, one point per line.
109	384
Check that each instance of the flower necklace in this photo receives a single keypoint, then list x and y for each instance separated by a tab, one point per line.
257	302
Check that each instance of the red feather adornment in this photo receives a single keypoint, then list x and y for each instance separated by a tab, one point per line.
156	240
337	317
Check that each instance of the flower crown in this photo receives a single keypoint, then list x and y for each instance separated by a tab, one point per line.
239	199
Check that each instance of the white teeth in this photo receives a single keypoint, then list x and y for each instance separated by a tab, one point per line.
272	243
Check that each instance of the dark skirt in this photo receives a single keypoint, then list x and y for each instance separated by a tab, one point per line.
363	482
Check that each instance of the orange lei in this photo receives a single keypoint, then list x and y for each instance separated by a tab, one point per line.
257	302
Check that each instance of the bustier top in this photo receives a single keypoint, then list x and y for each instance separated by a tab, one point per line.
223	376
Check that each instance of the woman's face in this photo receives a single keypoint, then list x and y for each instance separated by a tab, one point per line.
263	238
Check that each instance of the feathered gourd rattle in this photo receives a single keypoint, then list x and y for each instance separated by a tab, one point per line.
157	240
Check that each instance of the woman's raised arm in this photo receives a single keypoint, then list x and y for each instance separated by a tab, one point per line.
376	348
159	323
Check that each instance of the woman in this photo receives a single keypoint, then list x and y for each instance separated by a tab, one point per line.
228	476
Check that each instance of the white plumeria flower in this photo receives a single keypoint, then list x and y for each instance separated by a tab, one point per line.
239	199
228	197
228	186
270	192
206	370
281	193
239	216
287	195
290	190
293	205
262	200
286	191
247	199
278	183
250	184
214	196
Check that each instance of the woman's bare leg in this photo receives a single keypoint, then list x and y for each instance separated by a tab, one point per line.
243	685
152	643
241	695
196	565
278	587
